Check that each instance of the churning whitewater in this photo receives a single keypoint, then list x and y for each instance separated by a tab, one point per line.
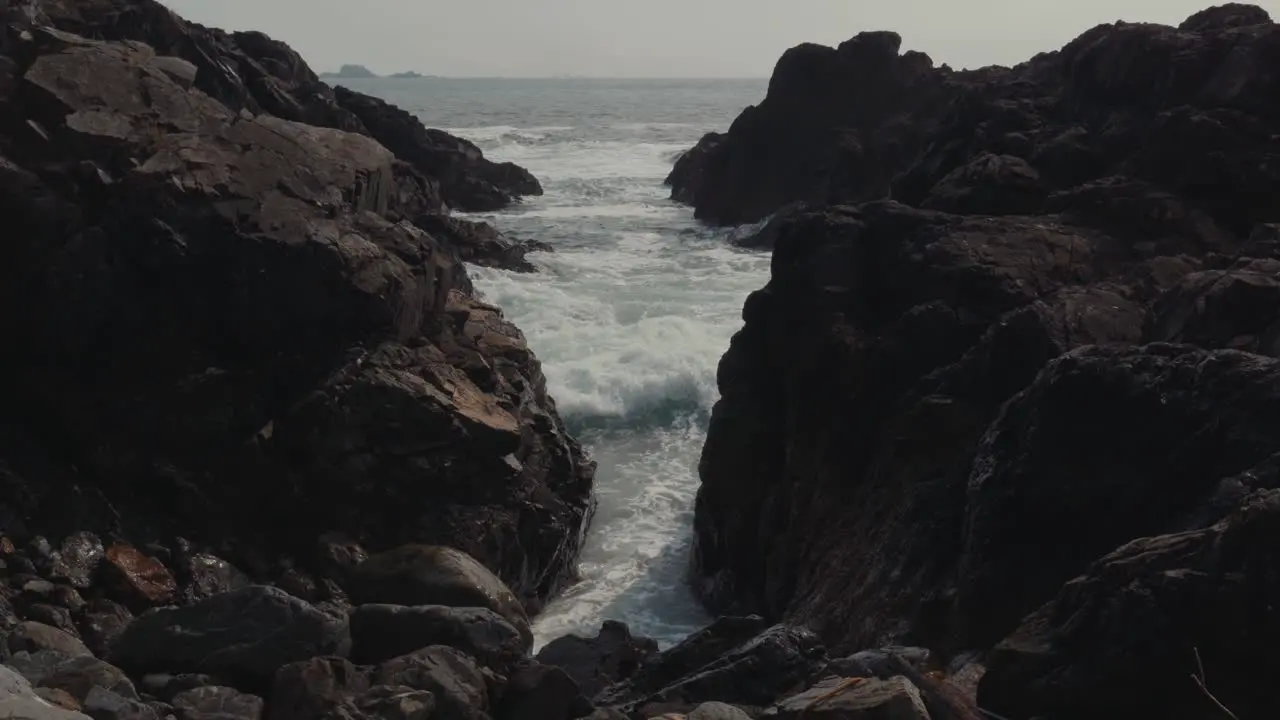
629	315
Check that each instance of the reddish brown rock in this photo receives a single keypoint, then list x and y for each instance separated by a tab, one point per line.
137	579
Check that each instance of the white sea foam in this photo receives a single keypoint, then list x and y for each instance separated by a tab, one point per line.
630	316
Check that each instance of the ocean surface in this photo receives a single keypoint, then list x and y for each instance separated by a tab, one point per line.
629	315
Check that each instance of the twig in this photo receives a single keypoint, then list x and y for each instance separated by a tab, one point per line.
1198	677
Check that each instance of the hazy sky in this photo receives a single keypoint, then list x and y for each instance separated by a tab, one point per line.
658	38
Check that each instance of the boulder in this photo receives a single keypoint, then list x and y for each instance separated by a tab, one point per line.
756	673
311	688
383	632
540	692
34	637
20	702
78	676
436	575
612	656
459	688
247	635
137	579
102	704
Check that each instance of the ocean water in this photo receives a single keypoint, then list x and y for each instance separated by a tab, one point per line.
629	315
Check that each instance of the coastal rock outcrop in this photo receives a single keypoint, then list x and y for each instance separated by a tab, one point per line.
251	71
1010	391
229	352
862	122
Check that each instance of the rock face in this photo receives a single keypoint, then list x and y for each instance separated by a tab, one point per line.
250	71
837	124
467	180
1025	404
862	122
225	338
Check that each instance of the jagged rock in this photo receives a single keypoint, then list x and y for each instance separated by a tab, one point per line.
836	124
758	672
435	575
249	293
458	686
540	692
467	181
481	243
880	663
1187	109
991	184
612	656
249	634
1238	308
217	703
849	698
33	637
1204	416
686	657
1158	608
383	632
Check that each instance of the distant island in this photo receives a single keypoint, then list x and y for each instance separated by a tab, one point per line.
356	72
351	71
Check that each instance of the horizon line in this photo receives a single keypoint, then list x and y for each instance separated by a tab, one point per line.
426	76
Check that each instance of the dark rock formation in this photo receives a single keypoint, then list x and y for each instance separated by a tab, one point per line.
947	410
250	71
836	125
247	635
382	632
863	122
612	656
1125	636
218	315
481	243
467	180
754	673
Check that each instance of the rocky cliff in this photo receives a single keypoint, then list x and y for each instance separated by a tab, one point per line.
1012	387
235	325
